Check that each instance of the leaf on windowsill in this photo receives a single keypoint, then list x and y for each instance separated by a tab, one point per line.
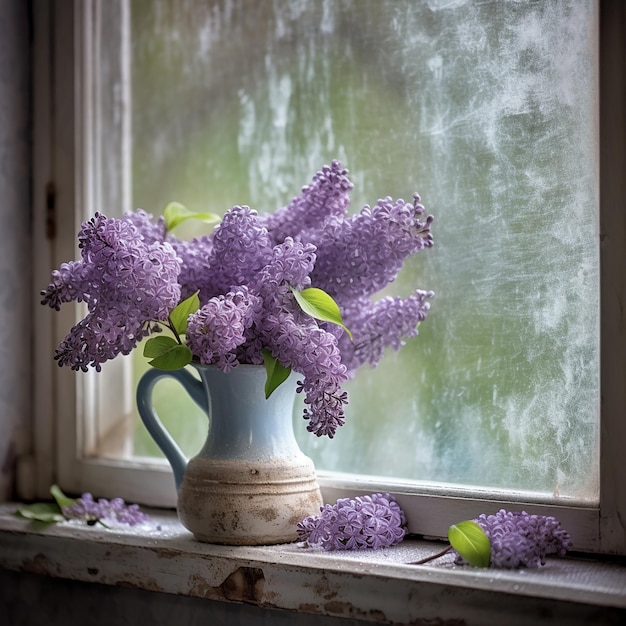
471	542
47	512
60	498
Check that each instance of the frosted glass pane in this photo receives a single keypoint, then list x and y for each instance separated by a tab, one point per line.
488	110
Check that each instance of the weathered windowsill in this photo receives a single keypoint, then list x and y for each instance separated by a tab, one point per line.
377	586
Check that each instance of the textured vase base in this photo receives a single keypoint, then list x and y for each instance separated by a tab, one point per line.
247	503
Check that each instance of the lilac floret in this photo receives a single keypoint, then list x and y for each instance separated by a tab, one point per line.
519	539
359	255
326	196
375	326
219	327
152	232
374	521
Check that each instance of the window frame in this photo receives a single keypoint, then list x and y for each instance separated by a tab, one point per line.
64	144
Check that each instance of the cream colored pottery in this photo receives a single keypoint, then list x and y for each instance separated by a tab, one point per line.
250	484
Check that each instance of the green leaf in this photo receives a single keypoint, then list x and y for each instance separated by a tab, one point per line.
277	373
175	213
48	512
318	304
60	498
166	353
471	542
182	311
157	346
173	359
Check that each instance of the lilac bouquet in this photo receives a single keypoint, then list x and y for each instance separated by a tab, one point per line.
292	290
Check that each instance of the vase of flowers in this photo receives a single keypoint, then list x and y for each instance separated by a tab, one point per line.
290	292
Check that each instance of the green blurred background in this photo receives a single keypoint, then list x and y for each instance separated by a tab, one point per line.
479	107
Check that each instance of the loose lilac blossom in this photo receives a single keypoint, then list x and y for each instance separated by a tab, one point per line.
374	521
326	196
519	539
308	349
105	511
133	273
127	285
388	322
359	255
150	231
241	248
195	269
218	328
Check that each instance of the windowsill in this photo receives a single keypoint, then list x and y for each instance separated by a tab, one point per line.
377	586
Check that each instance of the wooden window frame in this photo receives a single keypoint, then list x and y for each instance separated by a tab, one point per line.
65	143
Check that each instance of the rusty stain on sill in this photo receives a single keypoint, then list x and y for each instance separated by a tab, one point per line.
343	609
148	584
324	590
347	610
40	564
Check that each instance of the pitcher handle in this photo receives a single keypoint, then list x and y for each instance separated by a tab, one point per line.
153	423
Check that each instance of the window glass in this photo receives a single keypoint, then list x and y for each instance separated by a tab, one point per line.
488	110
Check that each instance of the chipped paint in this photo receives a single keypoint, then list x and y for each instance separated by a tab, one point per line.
245	584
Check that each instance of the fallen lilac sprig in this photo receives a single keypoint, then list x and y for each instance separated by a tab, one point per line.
375	521
106	512
506	539
520	539
102	511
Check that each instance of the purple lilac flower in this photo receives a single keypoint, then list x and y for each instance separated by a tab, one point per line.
519	539
375	326
303	346
241	247
357	256
151	232
327	195
289	265
218	328
195	270
127	285
266	316
375	521
105	511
